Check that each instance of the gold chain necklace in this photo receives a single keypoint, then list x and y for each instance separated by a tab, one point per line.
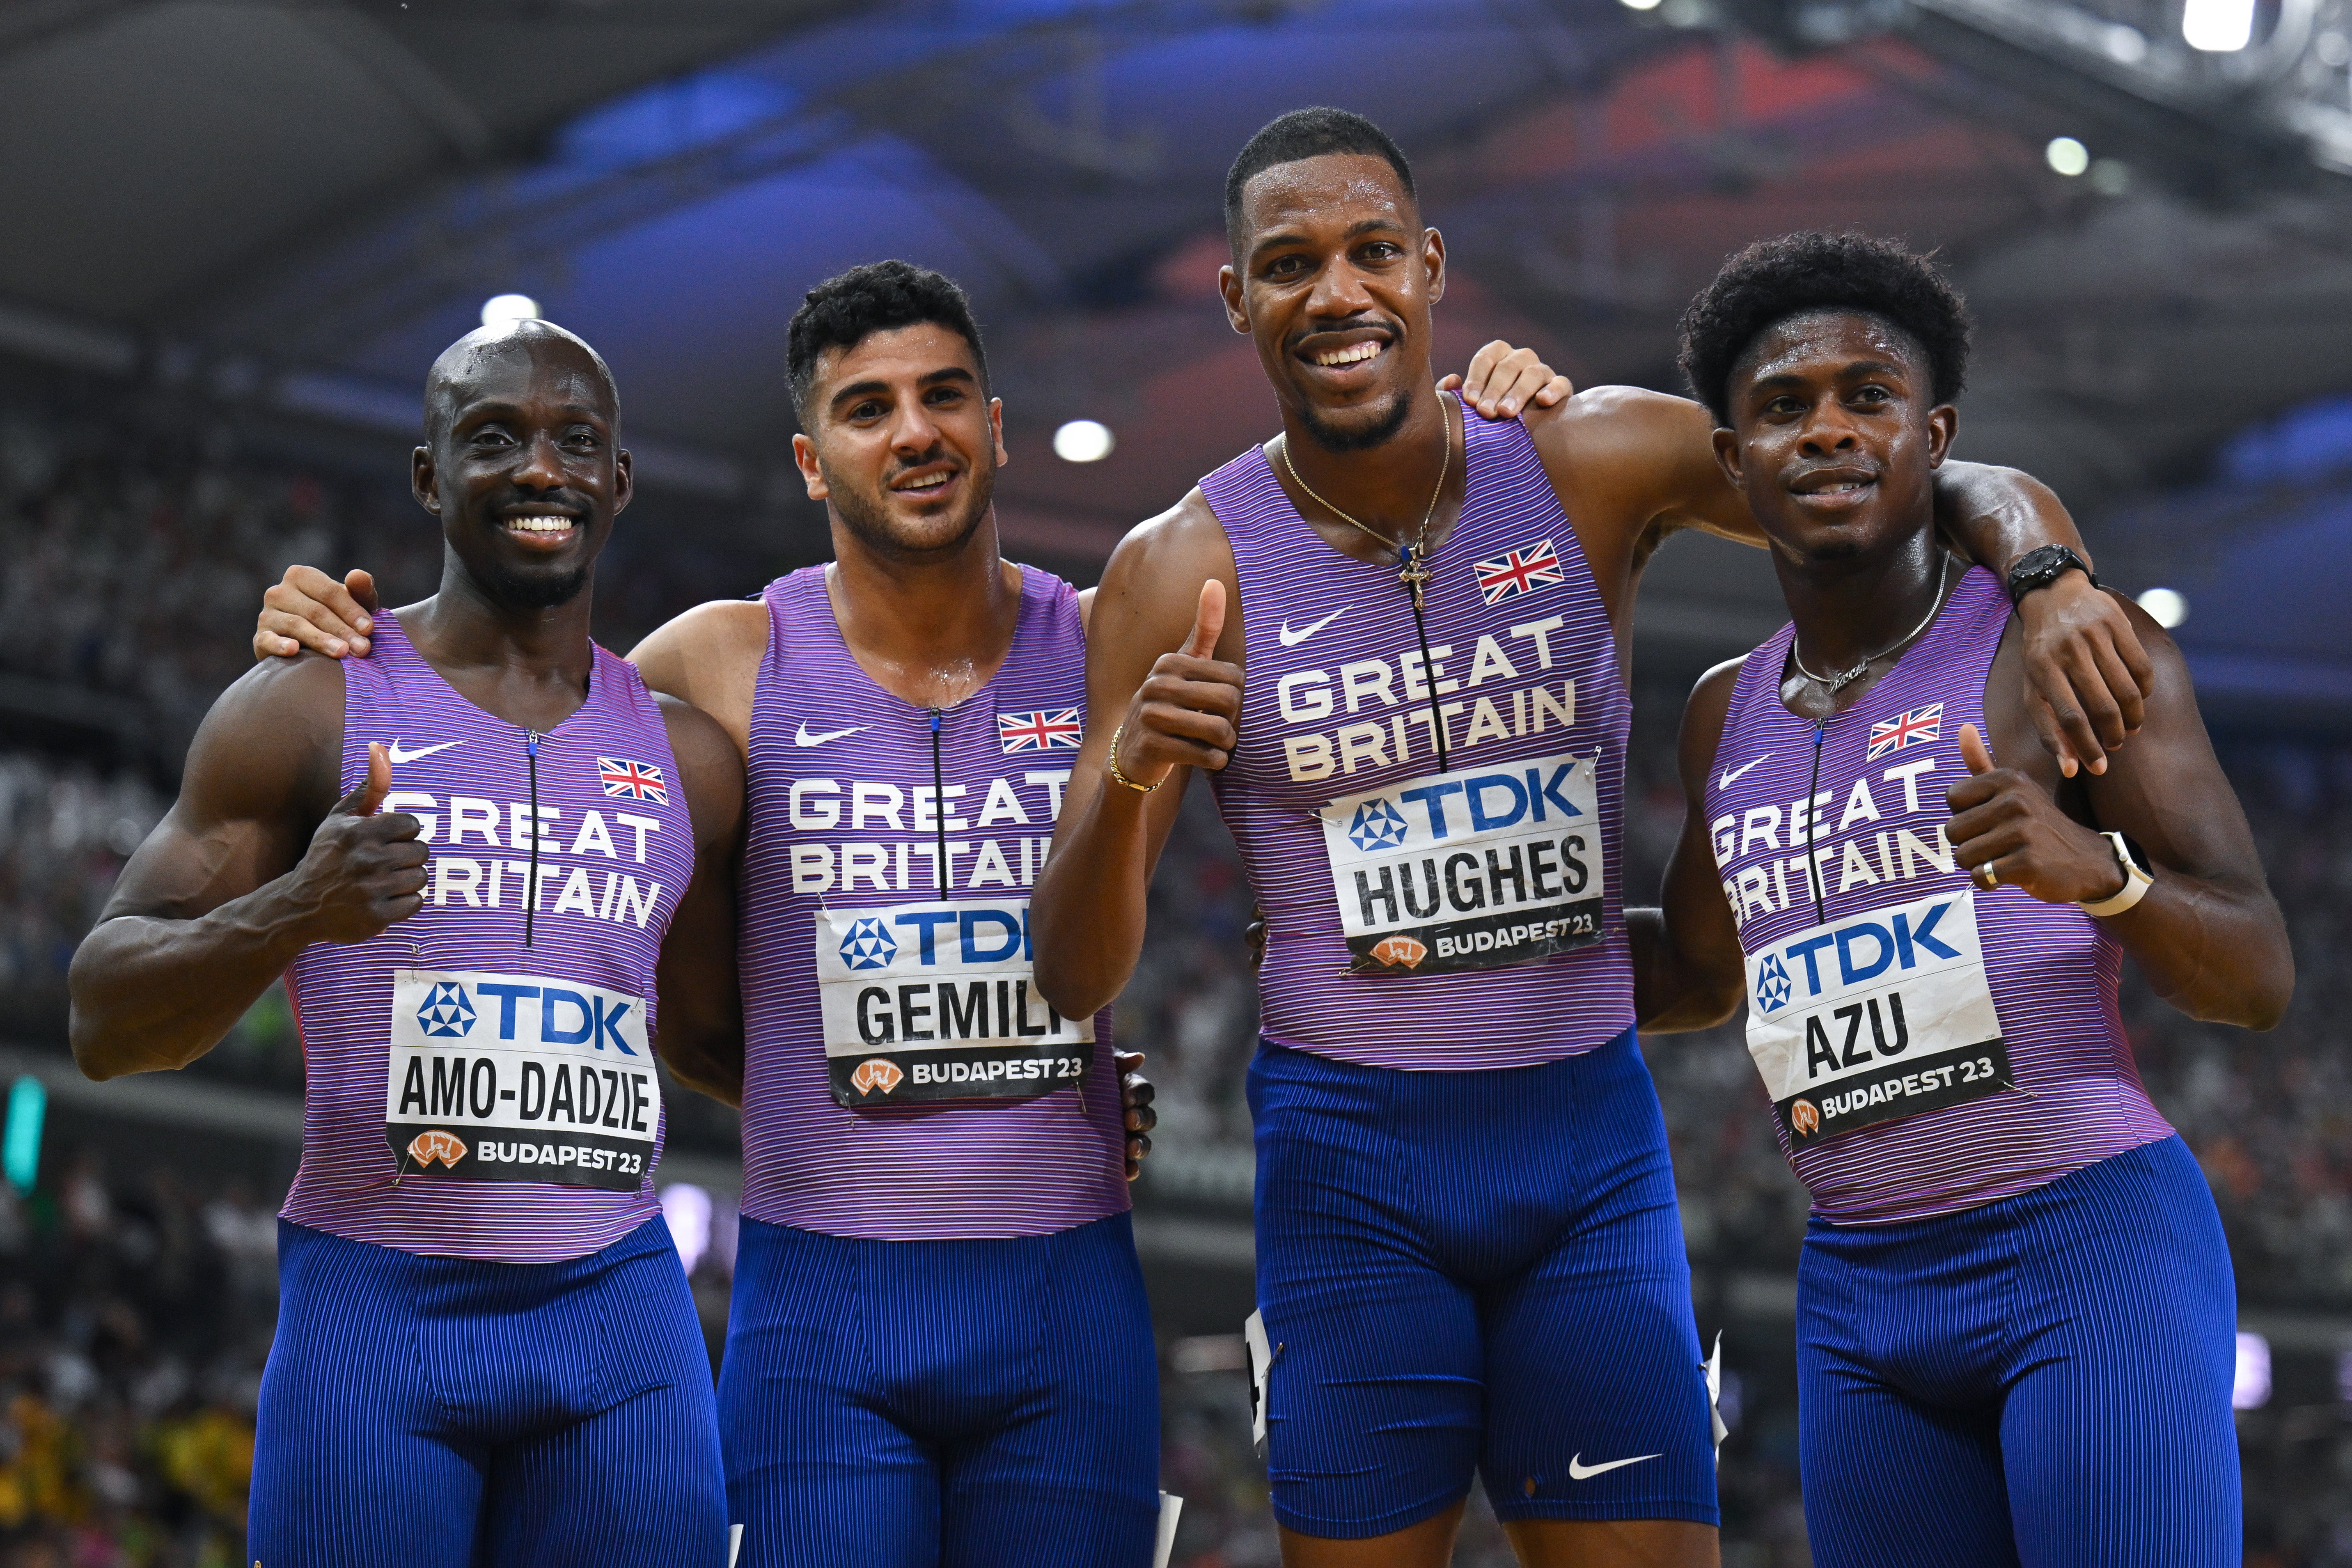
1412	570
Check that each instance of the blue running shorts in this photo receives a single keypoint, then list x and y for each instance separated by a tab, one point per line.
442	1413
1477	1270
993	1403
2043	1381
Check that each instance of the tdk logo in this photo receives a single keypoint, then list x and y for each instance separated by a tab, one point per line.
1475	803
447	1012
1864	949
868	945
1376	825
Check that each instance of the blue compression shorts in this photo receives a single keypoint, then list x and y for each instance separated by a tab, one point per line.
988	1403
1478	1270
441	1413
2043	1381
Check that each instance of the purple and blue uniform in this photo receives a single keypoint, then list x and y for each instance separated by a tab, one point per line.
939	1349
486	1348
2015	1307
1469	1256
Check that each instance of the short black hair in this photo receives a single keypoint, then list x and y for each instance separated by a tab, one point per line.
1308	133
1774	279
880	297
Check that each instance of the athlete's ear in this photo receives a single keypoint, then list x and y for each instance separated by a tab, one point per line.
804	454
624	481
996	429
1432	261
425	480
1943	425
1229	284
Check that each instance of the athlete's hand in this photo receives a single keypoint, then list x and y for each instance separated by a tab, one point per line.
364	868
1186	712
2006	828
1254	939
308	609
1503	380
2087	668
1135	1092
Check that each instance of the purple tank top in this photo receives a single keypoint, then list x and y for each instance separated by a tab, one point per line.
1927	1046
468	1095
1424	910
903	1080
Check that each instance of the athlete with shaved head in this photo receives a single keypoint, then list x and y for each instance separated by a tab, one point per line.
496	872
1396	635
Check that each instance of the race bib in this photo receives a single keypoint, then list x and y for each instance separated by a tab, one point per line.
518	1077
935	1001
1882	1015
1472	869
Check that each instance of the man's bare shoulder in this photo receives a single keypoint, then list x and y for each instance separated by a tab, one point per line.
1152	585
709	657
273	741
709	765
1604	422
718	628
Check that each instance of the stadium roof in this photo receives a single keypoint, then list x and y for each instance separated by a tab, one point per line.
302	200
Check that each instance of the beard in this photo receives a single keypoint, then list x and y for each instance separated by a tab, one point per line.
867	516
1383	427
533	590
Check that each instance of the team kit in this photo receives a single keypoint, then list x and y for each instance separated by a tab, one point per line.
866	854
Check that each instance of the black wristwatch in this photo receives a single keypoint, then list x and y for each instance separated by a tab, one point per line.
2040	568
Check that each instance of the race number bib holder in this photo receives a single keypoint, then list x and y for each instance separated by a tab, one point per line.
937	1001
519	1078
1883	1015
1478	868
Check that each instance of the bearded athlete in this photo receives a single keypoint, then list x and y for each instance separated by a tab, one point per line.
2015	1312
464	855
1469	1251
939	1349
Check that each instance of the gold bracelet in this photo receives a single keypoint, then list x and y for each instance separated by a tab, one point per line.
1119	777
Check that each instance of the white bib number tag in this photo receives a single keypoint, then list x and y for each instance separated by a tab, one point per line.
1881	1016
1473	870
519	1078
936	1001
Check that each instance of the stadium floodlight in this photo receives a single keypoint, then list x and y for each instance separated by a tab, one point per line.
502	309
2250	1383
2167	607
20	1147
2066	155
1083	441
1641	5
2218	26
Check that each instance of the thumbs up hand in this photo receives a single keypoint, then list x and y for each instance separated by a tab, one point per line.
2006	829
1187	710
365	868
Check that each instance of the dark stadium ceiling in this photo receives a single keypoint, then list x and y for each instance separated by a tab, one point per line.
298	201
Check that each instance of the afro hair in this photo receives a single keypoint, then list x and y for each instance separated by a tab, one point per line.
1774	279
880	297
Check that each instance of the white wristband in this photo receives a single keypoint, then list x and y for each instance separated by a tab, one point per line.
2136	882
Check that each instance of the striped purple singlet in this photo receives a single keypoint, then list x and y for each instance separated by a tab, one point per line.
1936	1046
903	1080
466	1095
1425	914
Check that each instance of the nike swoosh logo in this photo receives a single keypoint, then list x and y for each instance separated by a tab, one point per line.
399	756
1292	639
1726	781
1577	1470
804	739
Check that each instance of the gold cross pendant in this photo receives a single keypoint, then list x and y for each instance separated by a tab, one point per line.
1412	574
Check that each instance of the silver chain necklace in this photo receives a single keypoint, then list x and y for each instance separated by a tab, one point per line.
1836	683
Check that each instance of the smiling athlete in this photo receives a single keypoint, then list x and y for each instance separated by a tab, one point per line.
939	1349
486	1348
1468	1252
2015	1312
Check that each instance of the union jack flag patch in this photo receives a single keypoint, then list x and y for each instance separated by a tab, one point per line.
637	781
1040	732
1522	570
1905	729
